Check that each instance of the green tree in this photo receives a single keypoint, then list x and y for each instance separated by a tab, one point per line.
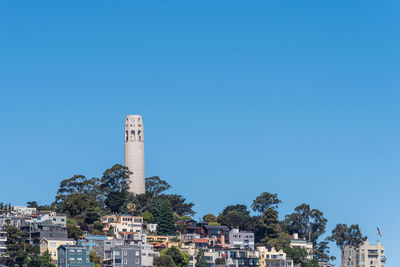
77	194
154	207
209	218
265	201
236	216
110	232
297	254
321	252
164	261
93	214
37	260
74	231
166	219
344	235
32	204
94	258
180	258
155	185
115	184
308	223
179	205
201	259
148	217
15	245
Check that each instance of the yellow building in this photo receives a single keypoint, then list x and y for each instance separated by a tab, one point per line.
269	257
51	245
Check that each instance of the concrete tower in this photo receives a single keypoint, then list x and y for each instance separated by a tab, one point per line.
134	152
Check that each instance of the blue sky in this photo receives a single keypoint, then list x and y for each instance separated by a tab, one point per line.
298	98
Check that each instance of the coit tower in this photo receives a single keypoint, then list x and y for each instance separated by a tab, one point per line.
134	152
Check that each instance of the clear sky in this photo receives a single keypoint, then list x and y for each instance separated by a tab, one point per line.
299	98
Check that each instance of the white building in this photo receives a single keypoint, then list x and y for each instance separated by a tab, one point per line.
24	210
241	239
134	152
296	242
366	255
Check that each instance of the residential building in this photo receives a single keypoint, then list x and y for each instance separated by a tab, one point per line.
243	257
241	239
366	255
69	256
148	255
92	241
24	210
296	242
219	233
51	244
269	257
122	223
38	230
126	256
54	217
3	241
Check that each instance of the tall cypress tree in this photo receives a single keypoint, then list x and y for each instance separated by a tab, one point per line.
166	220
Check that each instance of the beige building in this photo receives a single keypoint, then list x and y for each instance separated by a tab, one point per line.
366	255
269	257
123	223
296	242
51	245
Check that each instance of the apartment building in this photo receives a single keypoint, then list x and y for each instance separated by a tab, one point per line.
366	255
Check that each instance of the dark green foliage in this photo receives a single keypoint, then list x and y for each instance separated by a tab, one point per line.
164	261
77	194
92	215
236	216
265	201
154	207
20	253
200	259
298	255
32	204
321	252
308	223
155	185
115	201
179	205
15	244
148	217
209	218
166	219
37	260
115	184
180	258
98	226
344	235
74	231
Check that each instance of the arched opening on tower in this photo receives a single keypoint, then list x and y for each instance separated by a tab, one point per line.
133	135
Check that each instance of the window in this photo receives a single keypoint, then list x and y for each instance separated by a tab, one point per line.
117	253
137	261
52	244
117	260
137	253
79	260
125	261
79	252
72	252
125	252
71	260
